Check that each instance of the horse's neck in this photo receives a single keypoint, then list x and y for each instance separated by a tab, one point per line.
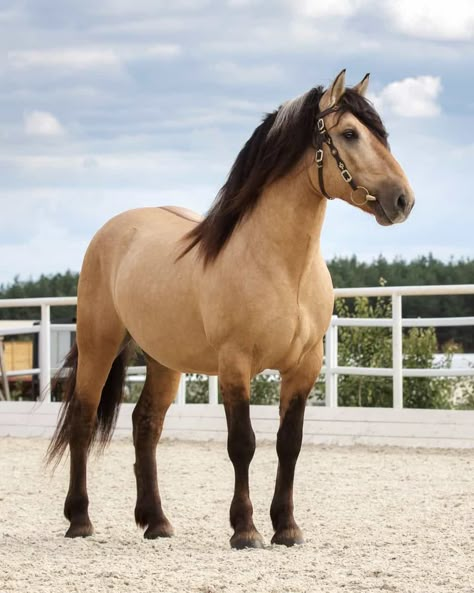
286	224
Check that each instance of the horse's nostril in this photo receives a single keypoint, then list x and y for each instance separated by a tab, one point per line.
402	202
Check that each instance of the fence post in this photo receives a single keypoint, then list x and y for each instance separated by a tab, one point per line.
4	386
181	396
331	364
397	351
45	354
213	390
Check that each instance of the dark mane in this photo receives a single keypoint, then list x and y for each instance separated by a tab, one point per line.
266	158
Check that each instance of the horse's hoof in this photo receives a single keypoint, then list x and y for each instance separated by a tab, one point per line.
289	536
164	529
246	539
82	530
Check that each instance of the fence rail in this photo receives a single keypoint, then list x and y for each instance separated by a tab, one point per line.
331	369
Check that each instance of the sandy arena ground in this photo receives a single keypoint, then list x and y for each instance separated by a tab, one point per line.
396	520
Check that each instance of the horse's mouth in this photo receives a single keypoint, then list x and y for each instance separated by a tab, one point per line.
380	215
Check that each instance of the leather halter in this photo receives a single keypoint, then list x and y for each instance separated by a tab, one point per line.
321	136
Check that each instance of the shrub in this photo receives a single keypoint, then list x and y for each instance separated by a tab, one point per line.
372	347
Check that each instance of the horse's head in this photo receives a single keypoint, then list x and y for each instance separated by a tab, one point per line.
337	136
353	159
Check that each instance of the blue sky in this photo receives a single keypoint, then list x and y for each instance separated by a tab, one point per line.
118	104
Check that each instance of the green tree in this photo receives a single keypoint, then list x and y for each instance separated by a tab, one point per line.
423	270
467	394
56	285
264	389
419	347
372	347
197	389
364	347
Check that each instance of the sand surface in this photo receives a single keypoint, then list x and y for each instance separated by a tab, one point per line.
398	520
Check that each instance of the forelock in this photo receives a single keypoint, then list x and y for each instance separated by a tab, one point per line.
364	111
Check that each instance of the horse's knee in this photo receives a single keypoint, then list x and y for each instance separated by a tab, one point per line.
241	437
290	433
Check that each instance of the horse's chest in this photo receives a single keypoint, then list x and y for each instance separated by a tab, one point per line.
285	338
276	319
308	323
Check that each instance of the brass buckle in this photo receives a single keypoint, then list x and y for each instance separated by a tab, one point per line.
368	197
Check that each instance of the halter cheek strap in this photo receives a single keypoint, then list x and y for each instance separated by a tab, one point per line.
322	136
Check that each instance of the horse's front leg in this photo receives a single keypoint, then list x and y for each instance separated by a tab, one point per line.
234	376
295	388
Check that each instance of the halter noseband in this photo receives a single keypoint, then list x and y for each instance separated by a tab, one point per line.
321	136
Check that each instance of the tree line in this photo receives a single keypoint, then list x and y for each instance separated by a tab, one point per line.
347	272
424	270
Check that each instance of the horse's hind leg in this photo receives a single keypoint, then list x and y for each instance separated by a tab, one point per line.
99	342
295	389
158	393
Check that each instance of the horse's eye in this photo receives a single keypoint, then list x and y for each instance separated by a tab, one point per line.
350	134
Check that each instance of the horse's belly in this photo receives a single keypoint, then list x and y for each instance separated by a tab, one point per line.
190	354
167	327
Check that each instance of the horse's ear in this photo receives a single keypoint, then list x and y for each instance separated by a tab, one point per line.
361	88
334	93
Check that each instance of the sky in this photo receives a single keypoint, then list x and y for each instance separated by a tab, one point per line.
116	104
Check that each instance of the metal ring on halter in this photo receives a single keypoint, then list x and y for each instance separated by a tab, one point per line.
368	197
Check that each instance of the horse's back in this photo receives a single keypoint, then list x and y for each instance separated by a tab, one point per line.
137	245
161	228
185	213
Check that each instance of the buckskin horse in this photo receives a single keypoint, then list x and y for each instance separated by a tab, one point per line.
243	289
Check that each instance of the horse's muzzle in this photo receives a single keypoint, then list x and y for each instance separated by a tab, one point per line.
393	204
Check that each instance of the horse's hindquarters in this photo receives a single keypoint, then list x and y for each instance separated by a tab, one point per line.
156	296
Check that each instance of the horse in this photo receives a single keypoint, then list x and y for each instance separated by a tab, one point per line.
243	289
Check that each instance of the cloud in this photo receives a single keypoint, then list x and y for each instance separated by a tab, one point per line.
61	222
122	165
47	250
151	94
160	51
233	73
87	58
339	8
142	26
433	20
76	58
10	15
241	3
422	19
410	97
42	123
148	7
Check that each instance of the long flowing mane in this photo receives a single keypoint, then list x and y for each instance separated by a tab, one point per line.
274	148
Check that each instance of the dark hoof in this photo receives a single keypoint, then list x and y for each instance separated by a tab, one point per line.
82	530
289	536
164	529
246	539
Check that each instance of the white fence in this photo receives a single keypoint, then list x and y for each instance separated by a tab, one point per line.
343	425
397	323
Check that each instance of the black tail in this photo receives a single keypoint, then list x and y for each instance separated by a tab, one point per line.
107	412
